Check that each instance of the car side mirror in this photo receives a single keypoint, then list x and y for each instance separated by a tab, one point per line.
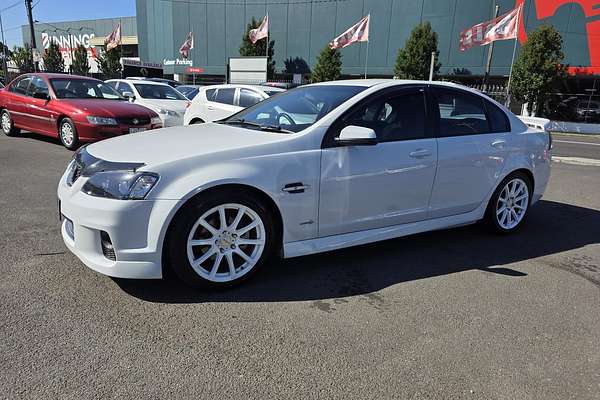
41	95
353	135
129	96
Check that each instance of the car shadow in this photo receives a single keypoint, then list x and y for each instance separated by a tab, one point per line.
551	228
39	137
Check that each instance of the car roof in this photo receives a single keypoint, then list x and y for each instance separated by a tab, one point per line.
137	81
49	75
245	86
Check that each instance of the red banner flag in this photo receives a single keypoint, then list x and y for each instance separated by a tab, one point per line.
114	39
502	28
261	32
358	32
187	45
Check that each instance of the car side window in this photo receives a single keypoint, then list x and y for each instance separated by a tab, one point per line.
210	94
123	87
21	86
37	85
398	116
498	119
225	96
249	98
460	113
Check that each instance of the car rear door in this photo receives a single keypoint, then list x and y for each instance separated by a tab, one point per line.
221	104
473	144
18	102
368	187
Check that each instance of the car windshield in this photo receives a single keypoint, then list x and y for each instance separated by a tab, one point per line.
161	92
296	109
66	88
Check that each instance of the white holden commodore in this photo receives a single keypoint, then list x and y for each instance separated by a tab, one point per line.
317	168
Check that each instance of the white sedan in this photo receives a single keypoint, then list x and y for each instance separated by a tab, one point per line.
216	102
168	103
318	168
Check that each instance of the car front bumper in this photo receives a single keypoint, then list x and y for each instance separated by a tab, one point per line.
169	120
135	228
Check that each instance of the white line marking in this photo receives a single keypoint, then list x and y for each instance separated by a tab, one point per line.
574	142
576	161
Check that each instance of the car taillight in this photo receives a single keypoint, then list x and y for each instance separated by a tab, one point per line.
188	104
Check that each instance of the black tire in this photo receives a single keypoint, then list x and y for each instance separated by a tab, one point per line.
492	220
67	123
186	219
197	121
9	130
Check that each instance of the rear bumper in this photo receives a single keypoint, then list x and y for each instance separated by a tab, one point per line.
134	226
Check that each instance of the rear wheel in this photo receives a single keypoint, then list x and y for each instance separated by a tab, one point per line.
197	121
509	204
7	124
68	134
220	240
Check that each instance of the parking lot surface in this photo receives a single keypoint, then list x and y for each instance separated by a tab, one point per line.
445	315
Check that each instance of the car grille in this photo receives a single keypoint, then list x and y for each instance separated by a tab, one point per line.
135	121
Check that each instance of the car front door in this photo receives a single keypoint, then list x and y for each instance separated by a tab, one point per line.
473	142
222	104
375	186
40	116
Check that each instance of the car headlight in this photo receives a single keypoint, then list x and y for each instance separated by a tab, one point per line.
155	121
101	120
122	185
170	113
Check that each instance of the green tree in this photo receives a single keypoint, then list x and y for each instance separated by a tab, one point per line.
258	49
109	63
80	64
414	60
329	65
21	56
538	68
53	60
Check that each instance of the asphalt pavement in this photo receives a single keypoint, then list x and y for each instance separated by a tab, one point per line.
454	314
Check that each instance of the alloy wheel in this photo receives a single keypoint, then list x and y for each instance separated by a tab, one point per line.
226	242
512	203
6	125
66	134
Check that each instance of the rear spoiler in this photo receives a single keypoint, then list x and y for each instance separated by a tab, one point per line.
540	124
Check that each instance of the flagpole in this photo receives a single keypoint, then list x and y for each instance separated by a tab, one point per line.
367	56
512	63
121	46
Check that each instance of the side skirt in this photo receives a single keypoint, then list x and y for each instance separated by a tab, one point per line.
328	243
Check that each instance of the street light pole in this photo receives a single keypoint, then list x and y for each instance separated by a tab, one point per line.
32	33
4	66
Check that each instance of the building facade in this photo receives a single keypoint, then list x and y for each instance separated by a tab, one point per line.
301	28
89	33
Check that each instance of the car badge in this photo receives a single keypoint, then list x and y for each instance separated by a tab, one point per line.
135	121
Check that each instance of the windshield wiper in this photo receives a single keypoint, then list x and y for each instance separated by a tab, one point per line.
266	128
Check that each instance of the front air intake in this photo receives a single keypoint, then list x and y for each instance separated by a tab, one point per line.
107	247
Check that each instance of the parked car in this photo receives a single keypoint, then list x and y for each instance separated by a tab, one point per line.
159	97
73	108
213	103
317	168
588	110
169	82
189	91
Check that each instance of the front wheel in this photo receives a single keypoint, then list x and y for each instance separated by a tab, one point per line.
7	124
509	204
220	239
68	134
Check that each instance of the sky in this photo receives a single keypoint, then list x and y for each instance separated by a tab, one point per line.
57	11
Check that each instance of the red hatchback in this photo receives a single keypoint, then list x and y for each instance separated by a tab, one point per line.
73	108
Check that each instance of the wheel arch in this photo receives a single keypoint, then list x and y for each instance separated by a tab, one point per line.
196	119
260	194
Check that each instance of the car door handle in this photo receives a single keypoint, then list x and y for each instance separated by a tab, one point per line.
420	153
209	108
499	144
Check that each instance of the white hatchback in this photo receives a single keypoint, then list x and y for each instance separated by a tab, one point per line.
317	168
213	103
168	103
